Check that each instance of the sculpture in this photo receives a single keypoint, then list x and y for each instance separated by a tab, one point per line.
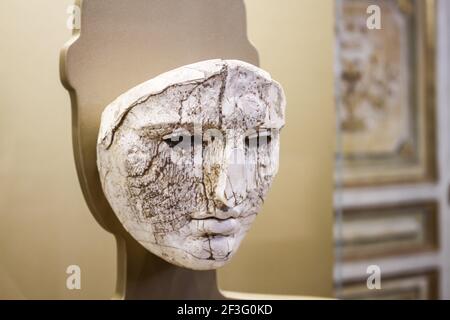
186	158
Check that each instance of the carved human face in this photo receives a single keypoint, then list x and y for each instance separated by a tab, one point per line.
187	158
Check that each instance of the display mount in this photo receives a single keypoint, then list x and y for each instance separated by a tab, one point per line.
119	45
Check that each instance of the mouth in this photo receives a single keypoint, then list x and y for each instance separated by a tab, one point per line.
215	226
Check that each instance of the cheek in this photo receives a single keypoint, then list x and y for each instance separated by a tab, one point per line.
262	168
268	157
168	190
138	158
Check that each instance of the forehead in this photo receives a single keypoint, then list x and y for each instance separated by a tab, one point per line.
223	94
236	99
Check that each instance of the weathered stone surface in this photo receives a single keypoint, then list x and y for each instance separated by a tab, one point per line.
186	158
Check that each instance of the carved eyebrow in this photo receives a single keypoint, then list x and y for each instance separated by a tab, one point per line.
267	127
177	132
260	132
168	126
169	129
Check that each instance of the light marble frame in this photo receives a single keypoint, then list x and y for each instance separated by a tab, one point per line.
365	170
416	285
389	230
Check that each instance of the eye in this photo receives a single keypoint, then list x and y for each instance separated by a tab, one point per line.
173	141
261	138
184	140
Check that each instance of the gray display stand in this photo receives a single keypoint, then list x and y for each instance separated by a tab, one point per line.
121	44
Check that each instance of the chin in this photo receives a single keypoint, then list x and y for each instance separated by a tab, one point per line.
202	265
216	251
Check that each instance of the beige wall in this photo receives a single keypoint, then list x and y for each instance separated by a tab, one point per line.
289	248
44	223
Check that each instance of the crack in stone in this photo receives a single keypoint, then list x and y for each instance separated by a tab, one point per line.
156	189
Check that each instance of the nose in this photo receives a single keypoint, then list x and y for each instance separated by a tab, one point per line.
222	206
222	194
229	181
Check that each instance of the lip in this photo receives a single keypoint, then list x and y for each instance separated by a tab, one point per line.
218	214
213	226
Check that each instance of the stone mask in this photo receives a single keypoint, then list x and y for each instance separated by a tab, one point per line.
186	158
